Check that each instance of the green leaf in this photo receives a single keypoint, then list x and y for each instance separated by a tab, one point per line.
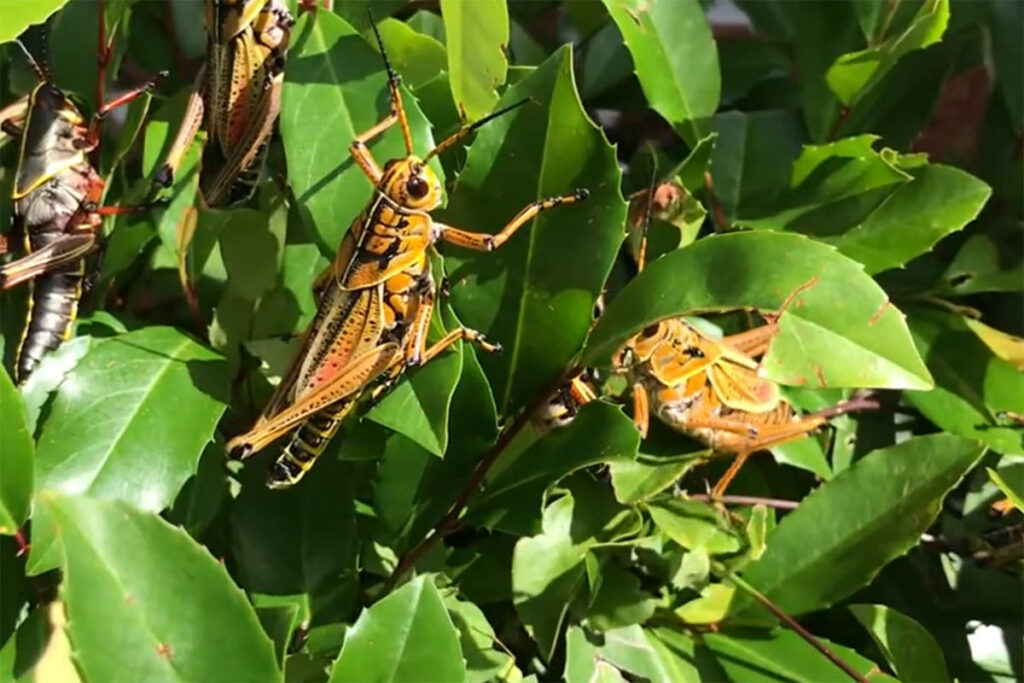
477	39
710	608
868	515
675	58
972	384
598	434
649	654
854	73
20	14
822	31
23	651
751	158
783	655
939	201
693	525
619	600
300	541
535	295
637	480
138	594
131	419
417	57
842	331
418	407
985	264
484	661
547	571
907	646
18	454
400	637
1012	489
334	81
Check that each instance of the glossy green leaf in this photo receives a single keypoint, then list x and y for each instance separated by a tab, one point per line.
18	453
300	541
908	647
400	637
477	39
335	82
983	264
20	14
710	608
865	203
856	72
131	419
784	655
870	513
675	58
416	56
600	433
138	593
535	294
842	331
972	384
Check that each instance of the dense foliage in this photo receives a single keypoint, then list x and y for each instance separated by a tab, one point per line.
871	148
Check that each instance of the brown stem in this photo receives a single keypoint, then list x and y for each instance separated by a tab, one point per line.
795	626
450	521
746	500
853	405
721	223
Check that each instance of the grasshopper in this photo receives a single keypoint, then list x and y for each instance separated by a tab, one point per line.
238	93
374	301
56	206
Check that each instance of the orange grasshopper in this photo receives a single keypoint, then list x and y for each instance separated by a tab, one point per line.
238	93
375	300
711	389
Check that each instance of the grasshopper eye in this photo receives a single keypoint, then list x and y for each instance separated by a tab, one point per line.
650	330
417	187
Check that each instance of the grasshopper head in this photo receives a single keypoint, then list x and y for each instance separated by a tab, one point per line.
411	184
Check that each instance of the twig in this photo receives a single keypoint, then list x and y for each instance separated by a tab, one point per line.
720	221
792	623
746	500
854	404
450	521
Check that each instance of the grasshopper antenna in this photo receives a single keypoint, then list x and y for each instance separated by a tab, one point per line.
41	73
641	257
466	130
397	110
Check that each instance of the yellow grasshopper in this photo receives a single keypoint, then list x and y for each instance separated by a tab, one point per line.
238	94
375	300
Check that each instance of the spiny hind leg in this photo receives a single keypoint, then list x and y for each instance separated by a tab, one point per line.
767	437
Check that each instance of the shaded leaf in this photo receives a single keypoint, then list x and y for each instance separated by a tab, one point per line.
869	514
972	384
121	566
598	434
675	58
18	454
400	637
908	647
417	57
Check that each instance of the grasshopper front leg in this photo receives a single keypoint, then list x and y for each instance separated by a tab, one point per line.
485	242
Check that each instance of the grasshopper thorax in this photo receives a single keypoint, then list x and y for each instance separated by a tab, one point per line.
52	140
411	184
